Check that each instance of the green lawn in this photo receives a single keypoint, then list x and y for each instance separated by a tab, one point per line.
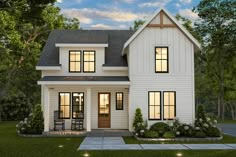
12	145
226	139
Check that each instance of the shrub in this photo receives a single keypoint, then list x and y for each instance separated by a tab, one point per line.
169	134
151	134
33	124
213	132
138	123
186	130
160	127
200	134
37	120
15	106
175	125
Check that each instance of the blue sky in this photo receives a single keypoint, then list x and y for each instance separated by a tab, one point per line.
120	14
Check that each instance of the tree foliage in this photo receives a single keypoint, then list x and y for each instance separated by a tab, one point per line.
25	26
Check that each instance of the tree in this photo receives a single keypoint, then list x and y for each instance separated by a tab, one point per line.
218	28
25	26
137	25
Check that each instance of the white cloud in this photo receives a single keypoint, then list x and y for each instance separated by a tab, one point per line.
59	1
185	1
125	1
160	3
87	15
101	26
177	5
188	13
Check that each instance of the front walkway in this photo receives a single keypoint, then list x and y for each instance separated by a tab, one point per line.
117	143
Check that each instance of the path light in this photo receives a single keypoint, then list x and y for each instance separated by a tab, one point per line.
60	146
86	155
179	154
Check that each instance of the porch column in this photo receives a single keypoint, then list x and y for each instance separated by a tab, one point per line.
46	108
88	110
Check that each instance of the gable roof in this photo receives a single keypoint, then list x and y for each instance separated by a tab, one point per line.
174	20
114	38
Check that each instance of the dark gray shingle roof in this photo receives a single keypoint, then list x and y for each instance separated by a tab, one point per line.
114	38
85	78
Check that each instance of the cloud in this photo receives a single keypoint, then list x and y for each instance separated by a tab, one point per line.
74	13
185	1
189	14
87	15
177	5
59	1
78	1
100	26
124	1
160	3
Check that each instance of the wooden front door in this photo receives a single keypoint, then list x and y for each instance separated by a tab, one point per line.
104	110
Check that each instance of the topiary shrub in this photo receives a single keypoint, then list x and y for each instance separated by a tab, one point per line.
169	134
151	134
160	127
37	120
213	132
200	134
138	123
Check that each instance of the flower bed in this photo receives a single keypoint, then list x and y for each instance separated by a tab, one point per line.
204	128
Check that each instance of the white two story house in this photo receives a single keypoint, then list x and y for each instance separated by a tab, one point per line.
102	76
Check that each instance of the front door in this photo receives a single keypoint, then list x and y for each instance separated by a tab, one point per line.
104	110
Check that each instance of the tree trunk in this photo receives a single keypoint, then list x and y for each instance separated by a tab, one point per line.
231	108
218	107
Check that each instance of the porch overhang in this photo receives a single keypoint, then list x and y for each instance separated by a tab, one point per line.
85	80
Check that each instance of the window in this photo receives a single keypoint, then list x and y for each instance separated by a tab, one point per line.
154	102
89	61
169	105
161	59
119	101
77	105
64	105
74	61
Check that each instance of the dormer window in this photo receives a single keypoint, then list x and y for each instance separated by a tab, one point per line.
74	61
89	61
161	60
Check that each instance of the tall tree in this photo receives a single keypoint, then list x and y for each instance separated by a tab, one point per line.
217	26
137	24
25	26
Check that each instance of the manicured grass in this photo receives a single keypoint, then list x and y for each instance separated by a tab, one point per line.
226	139
12	145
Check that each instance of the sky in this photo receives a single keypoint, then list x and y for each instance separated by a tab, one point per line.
120	14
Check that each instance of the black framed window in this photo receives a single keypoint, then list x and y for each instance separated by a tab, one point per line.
119	100
154	105
64	105
169	104
161	60
75	61
78	105
89	61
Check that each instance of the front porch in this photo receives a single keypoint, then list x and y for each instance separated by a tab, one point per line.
97	106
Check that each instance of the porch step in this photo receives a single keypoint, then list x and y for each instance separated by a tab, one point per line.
108	133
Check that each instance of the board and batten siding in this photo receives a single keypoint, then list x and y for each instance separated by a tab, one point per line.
99	61
119	118
180	78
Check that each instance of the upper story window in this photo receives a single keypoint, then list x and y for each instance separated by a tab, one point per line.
75	61
89	61
161	60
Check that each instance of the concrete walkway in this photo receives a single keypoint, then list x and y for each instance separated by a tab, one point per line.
117	143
